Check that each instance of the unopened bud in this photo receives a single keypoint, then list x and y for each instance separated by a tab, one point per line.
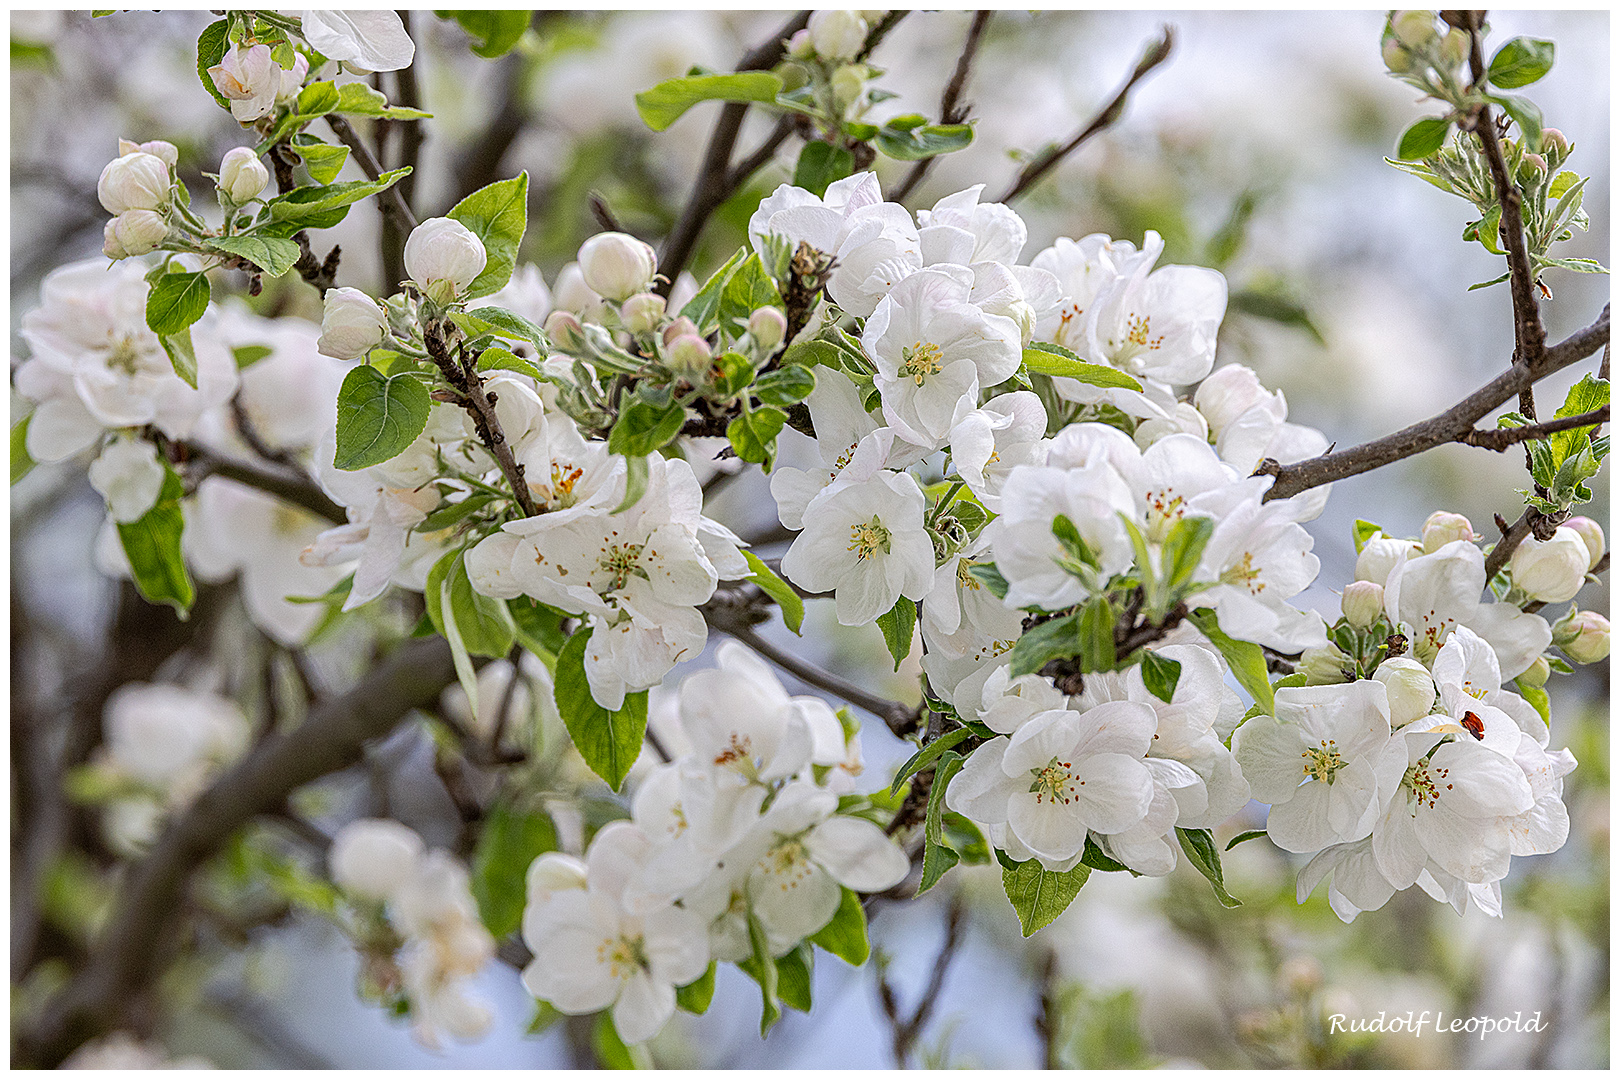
847	83
1415	29
1532	169
800	47
444	257
565	331
1443	527
1378	557
1551	571
617	265
680	327
165	152
1410	688
642	312
1362	603
138	181
242	175
134	232
351	324
837	35
1537	673
767	326
1325	666
1454	49
1583	635
373	857
1396	58
1554	143
1591	533
690	355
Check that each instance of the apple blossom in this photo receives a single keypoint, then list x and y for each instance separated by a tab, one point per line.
129	476
352	323
134	232
242	175
443	256
365	41
250	79
372	858
1362	602
837	35
617	265
1553	570
1591	534
134	181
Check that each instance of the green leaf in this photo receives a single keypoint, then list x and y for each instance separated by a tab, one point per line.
313	207
1038	894
499	359
1247	659
1161	675
845	936
322	160
1055	639
990	577
318	99
937	858
1093	857
793	978
609	742
1095	626
665	103
538	628
1520	62
378	416
777	589
635	483
921	760
21	462
610	1049
1244	837
511	325
1583	397
494	32
152	545
764	973
211	47
182	357
248	355
785	386
704	308
483	623
643	428
898	624
1537	697
1183	547
1364	531
1423	138
272	255
820	164
1199	844
497	214
748	289
1043	358
753	434
511	839
695	996
177	301
910	138
358	99
1526	114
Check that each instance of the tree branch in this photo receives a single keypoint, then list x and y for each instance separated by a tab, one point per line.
132	947
906	1031
299	490
1500	439
389	202
1453	425
1156	54
948	109
480	404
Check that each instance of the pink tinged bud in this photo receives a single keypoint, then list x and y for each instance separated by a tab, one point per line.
134	232
1396	58
642	313
351	325
837	35
1583	635
767	326
444	257
800	47
138	181
1591	534
690	355
679	328
166	152
1443	527
1537	673
565	331
250	78
1362	603
1454	49
242	175
617	265
1415	29
1532	168
1551	571
1554	143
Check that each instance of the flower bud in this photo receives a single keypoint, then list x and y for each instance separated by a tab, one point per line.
689	355
1552	570
1378	557
292	80
138	181
847	83
1444	527
617	265
1415	29
1591	534
250	78
837	35
165	152
681	326
373	857
1554	144
565	331
1537	673
1325	666
800	47
642	312
1410	688
1396	58
1362	603
1583	635
134	232
242	175
351	324
443	256
1532	169
767	326
1454	49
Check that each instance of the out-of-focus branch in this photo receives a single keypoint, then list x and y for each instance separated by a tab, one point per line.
411	134
950	109
138	936
904	1031
297	489
1156	54
1453	425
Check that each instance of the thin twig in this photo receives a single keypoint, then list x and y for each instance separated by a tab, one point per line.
476	400
389	202
906	1031
950	111
1500	439
1156	54
318	272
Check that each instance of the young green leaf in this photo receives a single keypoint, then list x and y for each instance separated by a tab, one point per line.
494	33
1583	397
1183	547
777	589
312	207
1520	62
497	214
177	301
785	386
764	972
1526	114
21	462
378	416
358	99
704	308
271	254
665	103
1038	894
610	1049
643	428
511	839
318	99
911	138
1055	639
1199	844
483	623
510	325
919	761
748	289
793	977
695	996
1248	660
1423	138
753	434
1095	627
538	628
152	545
990	577
499	359
182	356
821	163
1160	674
937	858
1044	358
211	46
1244	837
1364	531
845	936
898	624
609	742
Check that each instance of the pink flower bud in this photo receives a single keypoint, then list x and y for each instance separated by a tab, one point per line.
250	78
565	331
1583	635
1443	527
1591	533
642	312
690	355
166	152
767	326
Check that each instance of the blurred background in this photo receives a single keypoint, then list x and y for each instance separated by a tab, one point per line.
1256	149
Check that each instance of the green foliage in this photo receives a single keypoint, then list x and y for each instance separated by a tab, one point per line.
512	838
913	138
1095	625
990	577
763	970
937	857
1044	358
1520	62
845	936
1422	138
177	301
925	757
704	308
494	33
609	742
211	46
271	254
483	622
507	324
538	628
499	359
665	103
1039	895
820	164
21	462
785	386
1160	674
753	434
777	589
152	546
182	356
378	416
1055	639
323	207
748	288
1100	1031
1584	397
611	1052
1364	531
497	214
1199	846
1247	659
696	995
898	624
358	99
644	427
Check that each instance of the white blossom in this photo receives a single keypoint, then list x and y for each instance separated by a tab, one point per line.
250	78
444	256
365	41
617	265
134	181
1552	570
129	476
373	857
242	175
